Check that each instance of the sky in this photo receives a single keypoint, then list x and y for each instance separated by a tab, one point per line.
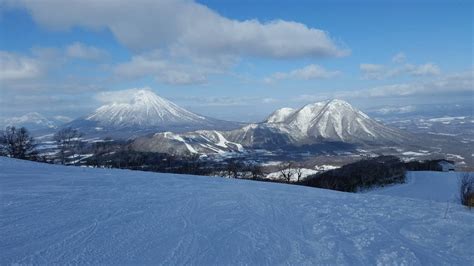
235	60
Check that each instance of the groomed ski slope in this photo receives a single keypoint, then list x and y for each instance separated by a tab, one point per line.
54	214
432	186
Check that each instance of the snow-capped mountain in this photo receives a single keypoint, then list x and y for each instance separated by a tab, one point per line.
280	115
36	123
334	120
145	109
328	121
145	112
32	121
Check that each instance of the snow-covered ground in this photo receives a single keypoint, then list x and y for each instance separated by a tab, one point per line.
427	185
60	215
305	172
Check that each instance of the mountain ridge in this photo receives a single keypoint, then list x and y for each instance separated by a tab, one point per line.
328	121
34	122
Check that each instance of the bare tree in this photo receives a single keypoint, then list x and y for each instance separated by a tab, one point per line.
194	163
298	172
466	189
286	171
256	171
18	143
68	141
233	168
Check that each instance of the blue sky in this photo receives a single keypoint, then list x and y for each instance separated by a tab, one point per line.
235	60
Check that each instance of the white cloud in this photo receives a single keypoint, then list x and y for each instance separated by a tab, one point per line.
449	84
373	71
399	57
452	85
376	71
14	67
185	26
306	98
215	101
193	41
120	96
395	110
181	78
423	70
269	100
308	72
31	71
165	70
371	68
82	51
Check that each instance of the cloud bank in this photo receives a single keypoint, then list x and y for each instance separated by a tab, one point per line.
15	67
192	40
454	84
185	27
82	51
119	96
379	72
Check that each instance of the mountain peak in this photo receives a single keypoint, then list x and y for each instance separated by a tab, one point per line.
338	101
306	115
332	102
143	109
334	119
144	96
280	115
140	111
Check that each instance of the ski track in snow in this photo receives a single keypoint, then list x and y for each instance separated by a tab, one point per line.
180	139
60	215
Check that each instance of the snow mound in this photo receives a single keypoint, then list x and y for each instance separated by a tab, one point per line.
69	215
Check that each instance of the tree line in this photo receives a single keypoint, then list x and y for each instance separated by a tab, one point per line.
18	143
364	174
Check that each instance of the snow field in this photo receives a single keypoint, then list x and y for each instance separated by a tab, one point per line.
54	214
